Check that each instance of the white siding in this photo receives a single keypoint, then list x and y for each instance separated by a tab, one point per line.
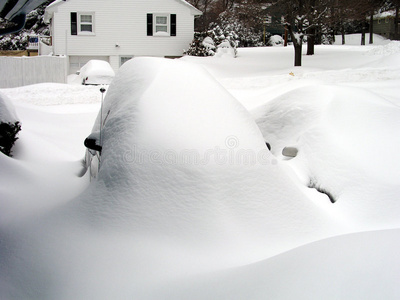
122	23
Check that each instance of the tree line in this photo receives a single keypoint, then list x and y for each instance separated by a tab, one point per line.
304	20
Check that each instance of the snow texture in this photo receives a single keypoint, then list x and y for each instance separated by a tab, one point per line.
189	202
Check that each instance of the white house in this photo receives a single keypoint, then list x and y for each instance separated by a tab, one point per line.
118	30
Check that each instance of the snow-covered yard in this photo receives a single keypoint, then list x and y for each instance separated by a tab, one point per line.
230	219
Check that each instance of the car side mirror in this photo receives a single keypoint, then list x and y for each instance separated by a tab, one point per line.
19	20
92	142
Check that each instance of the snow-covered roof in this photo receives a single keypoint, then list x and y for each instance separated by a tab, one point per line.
385	14
50	9
193	9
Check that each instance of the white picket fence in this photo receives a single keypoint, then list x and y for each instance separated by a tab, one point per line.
20	71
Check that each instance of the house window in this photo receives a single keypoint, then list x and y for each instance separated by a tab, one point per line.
268	20
124	59
161	24
86	23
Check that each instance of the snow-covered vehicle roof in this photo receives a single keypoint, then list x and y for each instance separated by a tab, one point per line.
96	72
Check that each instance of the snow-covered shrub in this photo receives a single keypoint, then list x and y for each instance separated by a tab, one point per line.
9	126
248	31
205	43
326	39
200	46
8	136
209	44
225	49
275	40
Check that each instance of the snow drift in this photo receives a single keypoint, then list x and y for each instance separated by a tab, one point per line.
152	216
347	139
7	110
188	192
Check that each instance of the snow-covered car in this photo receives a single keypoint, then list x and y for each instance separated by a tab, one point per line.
177	155
165	97
96	72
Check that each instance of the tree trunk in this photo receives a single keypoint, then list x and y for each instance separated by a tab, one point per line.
311	41
363	34
298	44
371	28
343	36
297	54
396	23
286	37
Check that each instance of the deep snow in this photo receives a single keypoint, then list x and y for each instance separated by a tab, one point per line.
7	110
169	230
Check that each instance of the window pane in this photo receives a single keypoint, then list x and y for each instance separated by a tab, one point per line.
161	29
85	27
86	18
161	20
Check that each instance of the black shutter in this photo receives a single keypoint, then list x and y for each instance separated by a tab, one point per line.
149	24
173	25
74	23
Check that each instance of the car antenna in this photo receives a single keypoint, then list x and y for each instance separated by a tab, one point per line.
102	90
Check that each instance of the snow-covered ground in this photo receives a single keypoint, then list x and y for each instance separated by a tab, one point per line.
214	228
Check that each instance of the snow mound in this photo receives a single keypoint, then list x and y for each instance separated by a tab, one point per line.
392	48
275	40
349	266
186	185
347	140
45	94
7	110
225	49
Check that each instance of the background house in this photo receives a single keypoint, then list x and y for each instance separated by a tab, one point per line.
384	24
116	31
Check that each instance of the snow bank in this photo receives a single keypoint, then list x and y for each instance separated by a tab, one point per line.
391	48
225	50
186	185
356	266
7	110
45	94
182	206
347	140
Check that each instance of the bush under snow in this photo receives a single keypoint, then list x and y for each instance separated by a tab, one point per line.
275	40
9	125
